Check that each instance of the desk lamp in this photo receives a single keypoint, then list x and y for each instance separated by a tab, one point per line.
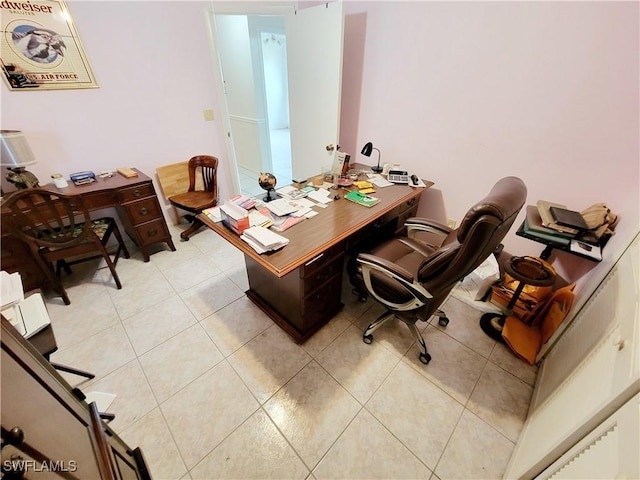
366	151
15	155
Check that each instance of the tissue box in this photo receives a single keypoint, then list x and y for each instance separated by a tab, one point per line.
234	217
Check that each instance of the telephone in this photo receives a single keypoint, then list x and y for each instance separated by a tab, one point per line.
398	176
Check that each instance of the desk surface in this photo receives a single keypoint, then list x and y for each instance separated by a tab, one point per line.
333	224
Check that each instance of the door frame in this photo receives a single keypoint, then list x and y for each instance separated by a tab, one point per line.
231	8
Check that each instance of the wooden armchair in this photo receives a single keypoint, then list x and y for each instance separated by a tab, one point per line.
196	200
59	230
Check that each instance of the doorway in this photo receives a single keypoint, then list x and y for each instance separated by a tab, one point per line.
253	60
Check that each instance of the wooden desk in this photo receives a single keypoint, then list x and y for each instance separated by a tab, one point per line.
300	286
138	209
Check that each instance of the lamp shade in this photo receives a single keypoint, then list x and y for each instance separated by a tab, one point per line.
15	150
366	150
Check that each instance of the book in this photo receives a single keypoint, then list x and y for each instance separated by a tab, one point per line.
544	209
568	218
549	237
361	199
534	224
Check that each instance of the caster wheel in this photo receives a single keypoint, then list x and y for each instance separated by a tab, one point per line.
367	339
425	358
443	321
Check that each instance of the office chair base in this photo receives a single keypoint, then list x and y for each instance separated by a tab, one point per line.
367	335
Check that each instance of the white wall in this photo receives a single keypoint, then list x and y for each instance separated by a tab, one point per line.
463	93
153	63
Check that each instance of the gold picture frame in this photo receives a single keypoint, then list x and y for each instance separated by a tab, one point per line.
40	48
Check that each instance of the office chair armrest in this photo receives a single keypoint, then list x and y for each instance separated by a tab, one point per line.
397	273
415	224
386	265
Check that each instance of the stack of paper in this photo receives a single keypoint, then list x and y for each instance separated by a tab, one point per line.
263	240
291	192
11	284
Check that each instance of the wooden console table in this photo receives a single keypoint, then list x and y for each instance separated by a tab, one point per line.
300	286
138	209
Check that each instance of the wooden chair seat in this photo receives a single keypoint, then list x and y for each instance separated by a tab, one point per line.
194	202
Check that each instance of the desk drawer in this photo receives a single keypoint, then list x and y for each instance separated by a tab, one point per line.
316	306
152	232
321	275
411	212
321	260
143	210
131	194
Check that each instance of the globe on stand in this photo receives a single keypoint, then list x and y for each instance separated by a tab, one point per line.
268	182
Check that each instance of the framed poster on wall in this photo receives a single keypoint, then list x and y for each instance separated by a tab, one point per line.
40	48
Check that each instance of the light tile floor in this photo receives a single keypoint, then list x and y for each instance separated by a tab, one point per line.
209	387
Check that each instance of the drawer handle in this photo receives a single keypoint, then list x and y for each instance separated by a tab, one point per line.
619	343
137	193
144	211
313	260
152	232
411	202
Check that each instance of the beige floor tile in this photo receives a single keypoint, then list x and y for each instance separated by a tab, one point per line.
505	358
311	411
268	361
204	413
234	325
100	354
326	334
210	296
166	259
359	367
475	451
238	275
178	361
256	450
206	240
501	400
152	435
453	367
190	272
464	326
134	396
158	323
367	450
144	288
225	256
417	412
72	324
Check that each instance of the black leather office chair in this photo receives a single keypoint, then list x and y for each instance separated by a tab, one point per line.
411	276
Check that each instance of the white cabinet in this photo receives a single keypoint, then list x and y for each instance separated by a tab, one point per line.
591	372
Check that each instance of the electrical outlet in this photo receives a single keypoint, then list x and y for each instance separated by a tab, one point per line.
451	223
208	115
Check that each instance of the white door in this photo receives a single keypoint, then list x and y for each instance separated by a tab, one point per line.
314	52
